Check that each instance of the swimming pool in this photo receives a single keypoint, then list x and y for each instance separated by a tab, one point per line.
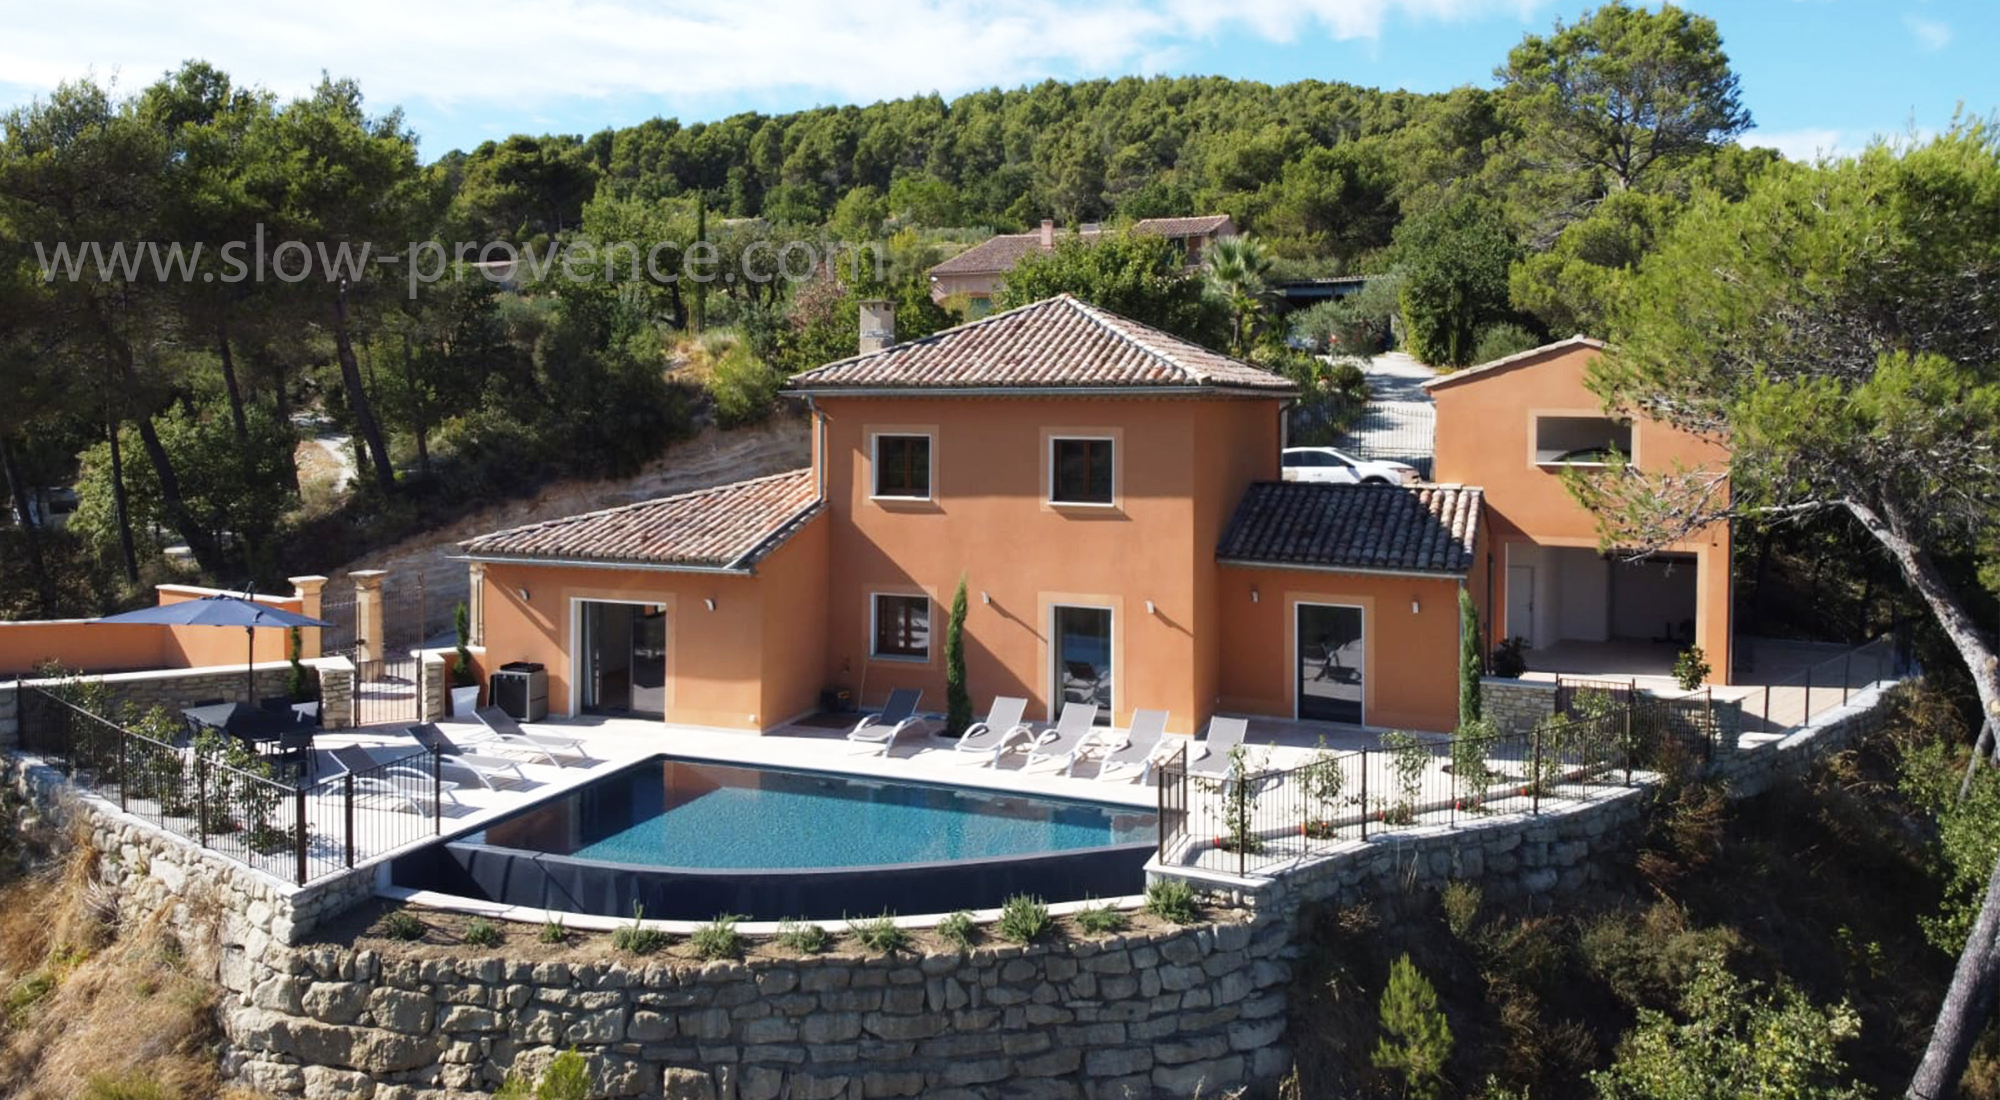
692	838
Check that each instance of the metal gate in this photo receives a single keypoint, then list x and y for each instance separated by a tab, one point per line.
385	692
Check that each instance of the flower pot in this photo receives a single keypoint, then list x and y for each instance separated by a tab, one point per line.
464	700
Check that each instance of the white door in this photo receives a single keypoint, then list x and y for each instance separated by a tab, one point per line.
1520	603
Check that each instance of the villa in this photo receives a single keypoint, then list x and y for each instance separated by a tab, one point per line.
1109	496
977	272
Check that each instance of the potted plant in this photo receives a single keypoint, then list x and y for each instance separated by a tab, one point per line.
465	682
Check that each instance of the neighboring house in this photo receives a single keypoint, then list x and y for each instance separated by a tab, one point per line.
1513	425
978	272
1107	492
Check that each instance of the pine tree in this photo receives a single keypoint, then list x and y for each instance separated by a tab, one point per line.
1418	1039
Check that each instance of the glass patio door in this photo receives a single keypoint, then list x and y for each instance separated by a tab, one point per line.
1083	658
1330	670
623	653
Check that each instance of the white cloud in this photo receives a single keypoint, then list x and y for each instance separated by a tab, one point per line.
522	52
1805	146
1931	34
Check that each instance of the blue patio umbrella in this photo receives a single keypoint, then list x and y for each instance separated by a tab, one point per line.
220	610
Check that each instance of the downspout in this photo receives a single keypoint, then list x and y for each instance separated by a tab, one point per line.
1486	659
819	445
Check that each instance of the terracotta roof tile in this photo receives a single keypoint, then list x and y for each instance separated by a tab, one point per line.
1181	227
725	527
1057	343
1416	529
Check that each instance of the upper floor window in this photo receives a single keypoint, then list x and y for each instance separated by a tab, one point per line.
903	627
1581	440
903	466
1080	471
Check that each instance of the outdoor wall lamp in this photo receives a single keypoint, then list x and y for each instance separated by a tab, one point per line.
523	593
709	602
1150	609
1415	607
985	596
1253	593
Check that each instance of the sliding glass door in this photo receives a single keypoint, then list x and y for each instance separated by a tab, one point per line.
1083	658
1330	652
622	654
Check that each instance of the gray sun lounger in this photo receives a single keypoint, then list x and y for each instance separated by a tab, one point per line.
1224	734
1142	744
502	732
881	730
482	766
1074	732
399	786
1003	728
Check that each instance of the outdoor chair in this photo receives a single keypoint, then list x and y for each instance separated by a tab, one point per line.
1224	735
502	732
275	704
398	786
1142	744
1074	732
984	742
294	749
881	730
482	766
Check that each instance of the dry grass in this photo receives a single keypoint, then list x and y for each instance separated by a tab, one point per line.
101	1011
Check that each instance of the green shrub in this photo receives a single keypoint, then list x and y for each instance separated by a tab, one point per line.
1101	920
1648	958
1501	339
880	934
1461	907
1510	658
1171	900
636	938
480	932
804	937
1416	1038
1690	668
461	670
718	938
132	1085
24	995
1023	919
553	931
745	389
957	930
402	925
1323	779
1409	758
567	1078
1470	773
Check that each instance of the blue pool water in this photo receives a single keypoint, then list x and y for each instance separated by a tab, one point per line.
690	814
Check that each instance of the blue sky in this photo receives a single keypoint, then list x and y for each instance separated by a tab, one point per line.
1818	75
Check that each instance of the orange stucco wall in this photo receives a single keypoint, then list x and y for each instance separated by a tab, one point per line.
989	521
726	668
98	647
1485	437
1410	658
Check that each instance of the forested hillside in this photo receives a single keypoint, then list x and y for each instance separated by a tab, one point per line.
173	388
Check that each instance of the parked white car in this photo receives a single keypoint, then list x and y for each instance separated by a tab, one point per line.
1328	465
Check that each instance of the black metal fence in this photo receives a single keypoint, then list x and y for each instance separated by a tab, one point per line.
1232	815
226	799
1795	700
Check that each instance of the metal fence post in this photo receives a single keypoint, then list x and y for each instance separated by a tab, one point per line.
348	814
201	797
123	775
1630	703
1364	794
1846	675
437	790
1535	774
1805	717
299	823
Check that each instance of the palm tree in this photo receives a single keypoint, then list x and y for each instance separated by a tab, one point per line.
1239	274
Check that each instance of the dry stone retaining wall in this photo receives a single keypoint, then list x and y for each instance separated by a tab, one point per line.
1516	706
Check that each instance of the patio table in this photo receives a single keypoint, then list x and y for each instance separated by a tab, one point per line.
242	720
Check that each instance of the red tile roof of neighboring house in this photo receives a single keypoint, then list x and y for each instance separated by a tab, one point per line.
727	527
1181	227
1058	343
1513	360
1362	528
1002	252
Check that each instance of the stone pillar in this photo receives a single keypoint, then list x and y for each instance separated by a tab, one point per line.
10	714
432	679
475	603
307	591
369	641
336	693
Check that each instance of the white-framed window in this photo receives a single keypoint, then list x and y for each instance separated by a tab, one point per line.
902	464
1082	470
1580	440
900	626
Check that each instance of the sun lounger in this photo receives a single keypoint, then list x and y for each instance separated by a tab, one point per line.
1224	734
503	733
483	766
398	786
881	730
1142	744
1073	733
985	741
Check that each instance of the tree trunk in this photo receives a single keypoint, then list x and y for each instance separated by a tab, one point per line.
1969	998
207	552
1979	749
367	429
417	403
31	534
119	505
229	382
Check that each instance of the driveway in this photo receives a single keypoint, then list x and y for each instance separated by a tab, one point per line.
1400	422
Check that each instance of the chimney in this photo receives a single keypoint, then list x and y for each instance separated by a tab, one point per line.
878	325
1048	233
